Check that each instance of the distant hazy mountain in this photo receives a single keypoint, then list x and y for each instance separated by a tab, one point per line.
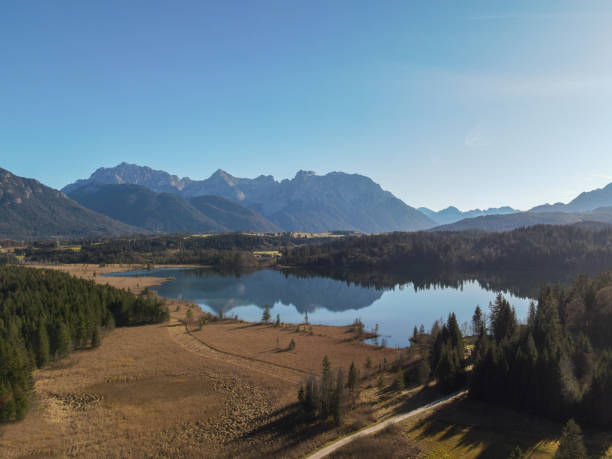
452	214
139	206
589	200
169	213
308	202
522	219
29	210
232	215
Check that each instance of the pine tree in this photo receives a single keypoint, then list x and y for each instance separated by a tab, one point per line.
42	345
265	317
338	399
503	319
571	444
278	322
353	379
64	342
326	389
478	325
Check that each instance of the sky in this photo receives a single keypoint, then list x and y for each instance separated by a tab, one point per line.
472	104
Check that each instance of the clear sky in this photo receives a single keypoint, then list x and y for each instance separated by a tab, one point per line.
474	104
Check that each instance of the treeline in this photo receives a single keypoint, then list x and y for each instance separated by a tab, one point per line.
560	363
523	283
46	314
535	247
218	250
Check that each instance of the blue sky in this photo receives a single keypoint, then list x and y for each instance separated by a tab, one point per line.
474	104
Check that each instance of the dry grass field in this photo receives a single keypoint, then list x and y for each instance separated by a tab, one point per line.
160	390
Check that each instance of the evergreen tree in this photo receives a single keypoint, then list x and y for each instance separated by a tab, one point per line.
326	389
571	444
353	379
278	322
478	324
415	336
265	317
42	345
337	410
503	319
64	342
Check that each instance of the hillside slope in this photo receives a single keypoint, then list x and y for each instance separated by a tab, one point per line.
139	206
496	223
31	210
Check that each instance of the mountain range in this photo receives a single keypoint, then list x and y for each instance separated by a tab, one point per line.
308	202
589	206
130	199
452	214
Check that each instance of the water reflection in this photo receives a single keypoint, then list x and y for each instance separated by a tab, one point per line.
396	301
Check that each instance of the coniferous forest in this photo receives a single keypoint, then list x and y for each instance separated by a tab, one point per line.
44	315
542	246
560	363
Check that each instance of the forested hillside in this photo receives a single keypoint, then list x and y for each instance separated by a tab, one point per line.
560	363
538	246
222	249
46	314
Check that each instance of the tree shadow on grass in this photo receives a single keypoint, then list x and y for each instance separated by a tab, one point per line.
493	429
285	429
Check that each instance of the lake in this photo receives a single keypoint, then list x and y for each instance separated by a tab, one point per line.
396	309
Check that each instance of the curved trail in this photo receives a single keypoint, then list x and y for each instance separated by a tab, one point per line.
191	342
381	425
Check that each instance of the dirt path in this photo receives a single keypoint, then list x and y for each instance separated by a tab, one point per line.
178	332
381	425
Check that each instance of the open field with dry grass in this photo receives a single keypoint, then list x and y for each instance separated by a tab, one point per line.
223	391
229	390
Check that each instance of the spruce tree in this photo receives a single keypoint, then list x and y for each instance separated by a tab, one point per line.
265	317
63	340
571	444
42	345
353	379
337	409
478	324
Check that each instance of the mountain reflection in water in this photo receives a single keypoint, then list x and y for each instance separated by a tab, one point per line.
396	301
